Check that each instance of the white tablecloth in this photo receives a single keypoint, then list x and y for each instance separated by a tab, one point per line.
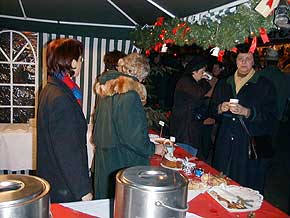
101	208
18	147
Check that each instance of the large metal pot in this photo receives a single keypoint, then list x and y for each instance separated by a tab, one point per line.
23	196
150	192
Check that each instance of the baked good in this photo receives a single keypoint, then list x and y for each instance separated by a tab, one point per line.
213	180
196	185
171	162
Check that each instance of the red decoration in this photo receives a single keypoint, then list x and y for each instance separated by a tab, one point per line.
169	41
247	40
161	36
186	30
235	50
253	45
159	22
158	46
269	3
147	52
174	30
220	56
182	24
264	36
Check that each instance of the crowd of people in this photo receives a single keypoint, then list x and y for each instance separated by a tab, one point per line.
217	114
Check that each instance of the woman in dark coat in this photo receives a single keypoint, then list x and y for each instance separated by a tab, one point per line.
120	127
61	126
185	123
257	100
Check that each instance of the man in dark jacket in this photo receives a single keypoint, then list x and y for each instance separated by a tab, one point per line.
188	110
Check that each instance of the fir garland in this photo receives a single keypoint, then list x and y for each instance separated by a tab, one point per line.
231	30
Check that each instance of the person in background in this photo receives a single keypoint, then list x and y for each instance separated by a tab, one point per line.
120	127
187	111
279	79
61	126
209	127
257	107
111	59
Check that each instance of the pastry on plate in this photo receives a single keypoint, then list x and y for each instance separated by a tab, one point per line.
171	162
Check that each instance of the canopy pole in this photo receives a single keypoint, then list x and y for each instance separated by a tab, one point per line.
161	8
122	12
66	22
22	8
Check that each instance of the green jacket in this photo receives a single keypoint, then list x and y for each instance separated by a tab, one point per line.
120	130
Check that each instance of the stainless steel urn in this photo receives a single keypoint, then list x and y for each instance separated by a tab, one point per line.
150	192
23	196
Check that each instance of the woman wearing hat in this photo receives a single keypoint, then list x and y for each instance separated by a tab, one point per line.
120	126
187	112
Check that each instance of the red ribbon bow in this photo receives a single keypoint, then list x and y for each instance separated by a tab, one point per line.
220	56
253	45
264	36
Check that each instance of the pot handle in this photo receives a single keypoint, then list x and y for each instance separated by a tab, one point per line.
161	204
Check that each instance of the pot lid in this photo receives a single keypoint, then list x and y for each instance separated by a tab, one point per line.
152	178
16	189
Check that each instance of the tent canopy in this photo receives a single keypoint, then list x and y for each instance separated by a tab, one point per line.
96	17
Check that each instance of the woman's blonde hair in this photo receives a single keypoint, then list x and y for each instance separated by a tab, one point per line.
134	65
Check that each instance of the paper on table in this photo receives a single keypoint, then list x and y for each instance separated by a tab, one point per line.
192	215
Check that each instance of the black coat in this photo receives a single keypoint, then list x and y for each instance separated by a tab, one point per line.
231	153
187	97
61	143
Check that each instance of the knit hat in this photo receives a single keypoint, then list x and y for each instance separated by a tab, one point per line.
271	55
196	63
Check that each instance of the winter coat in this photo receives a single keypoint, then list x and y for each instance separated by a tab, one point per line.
61	143
120	130
231	153
187	98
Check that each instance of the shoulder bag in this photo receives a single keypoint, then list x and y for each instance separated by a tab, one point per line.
259	146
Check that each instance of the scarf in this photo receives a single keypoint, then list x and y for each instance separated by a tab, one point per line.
241	81
64	77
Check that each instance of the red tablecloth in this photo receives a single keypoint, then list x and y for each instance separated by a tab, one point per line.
205	206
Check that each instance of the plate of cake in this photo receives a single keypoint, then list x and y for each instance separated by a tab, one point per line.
171	162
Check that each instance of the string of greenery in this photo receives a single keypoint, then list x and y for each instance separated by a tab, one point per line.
231	30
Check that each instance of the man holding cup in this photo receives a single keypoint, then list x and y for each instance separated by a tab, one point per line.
247	96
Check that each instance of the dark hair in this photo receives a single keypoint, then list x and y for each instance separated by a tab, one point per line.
196	63
60	53
243	48
111	59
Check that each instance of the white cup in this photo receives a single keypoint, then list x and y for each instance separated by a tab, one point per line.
234	101
207	75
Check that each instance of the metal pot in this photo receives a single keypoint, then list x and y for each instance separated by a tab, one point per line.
150	192
23	196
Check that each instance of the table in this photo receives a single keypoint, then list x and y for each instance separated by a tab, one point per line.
205	206
201	206
18	147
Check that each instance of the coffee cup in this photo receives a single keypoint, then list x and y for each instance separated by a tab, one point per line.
234	101
170	149
207	75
